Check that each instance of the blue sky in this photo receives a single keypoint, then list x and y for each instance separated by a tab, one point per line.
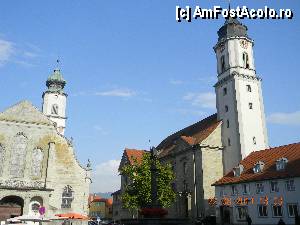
131	68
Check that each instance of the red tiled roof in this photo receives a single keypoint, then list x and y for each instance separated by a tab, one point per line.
269	157
93	197
109	201
193	134
189	140
73	216
132	154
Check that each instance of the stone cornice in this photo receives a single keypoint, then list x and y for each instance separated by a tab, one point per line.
26	189
26	122
235	74
235	67
54	92
55	116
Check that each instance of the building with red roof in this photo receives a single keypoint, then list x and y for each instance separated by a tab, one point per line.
100	207
265	185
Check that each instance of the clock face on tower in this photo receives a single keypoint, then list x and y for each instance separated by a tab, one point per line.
244	44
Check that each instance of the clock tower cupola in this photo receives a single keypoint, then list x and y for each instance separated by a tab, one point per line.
54	100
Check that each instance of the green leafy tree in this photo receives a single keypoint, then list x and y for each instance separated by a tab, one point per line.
138	190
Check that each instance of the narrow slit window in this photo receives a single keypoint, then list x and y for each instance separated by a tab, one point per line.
222	63
228	141
227	123
224	91
246	60
254	140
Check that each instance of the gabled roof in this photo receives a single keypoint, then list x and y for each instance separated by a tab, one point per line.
269	157
130	155
134	154
192	135
24	112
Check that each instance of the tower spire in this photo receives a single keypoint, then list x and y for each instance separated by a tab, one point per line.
57	64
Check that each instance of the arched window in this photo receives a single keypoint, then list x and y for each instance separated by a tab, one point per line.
227	123
18	154
54	109
245	60
37	158
1	159
254	140
222	63
248	87
226	108
184	168
67	197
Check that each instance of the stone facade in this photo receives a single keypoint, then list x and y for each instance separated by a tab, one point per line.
196	166
196	156
38	166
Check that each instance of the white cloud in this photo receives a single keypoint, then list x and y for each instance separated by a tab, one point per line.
125	92
205	100
191	112
6	51
105	177
176	82
292	118
100	130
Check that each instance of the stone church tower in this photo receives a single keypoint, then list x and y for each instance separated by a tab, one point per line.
239	95
54	100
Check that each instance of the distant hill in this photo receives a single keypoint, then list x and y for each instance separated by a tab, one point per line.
104	194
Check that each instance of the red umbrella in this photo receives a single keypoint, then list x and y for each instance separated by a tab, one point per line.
73	216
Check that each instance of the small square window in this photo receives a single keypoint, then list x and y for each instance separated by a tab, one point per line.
274	186
290	185
250	105
225	91
259	188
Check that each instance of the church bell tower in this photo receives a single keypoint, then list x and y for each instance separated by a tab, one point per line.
54	100
239	95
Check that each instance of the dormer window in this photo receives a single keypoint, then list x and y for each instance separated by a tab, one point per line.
237	171
281	163
258	167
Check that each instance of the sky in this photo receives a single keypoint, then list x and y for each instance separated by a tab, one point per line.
134	74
